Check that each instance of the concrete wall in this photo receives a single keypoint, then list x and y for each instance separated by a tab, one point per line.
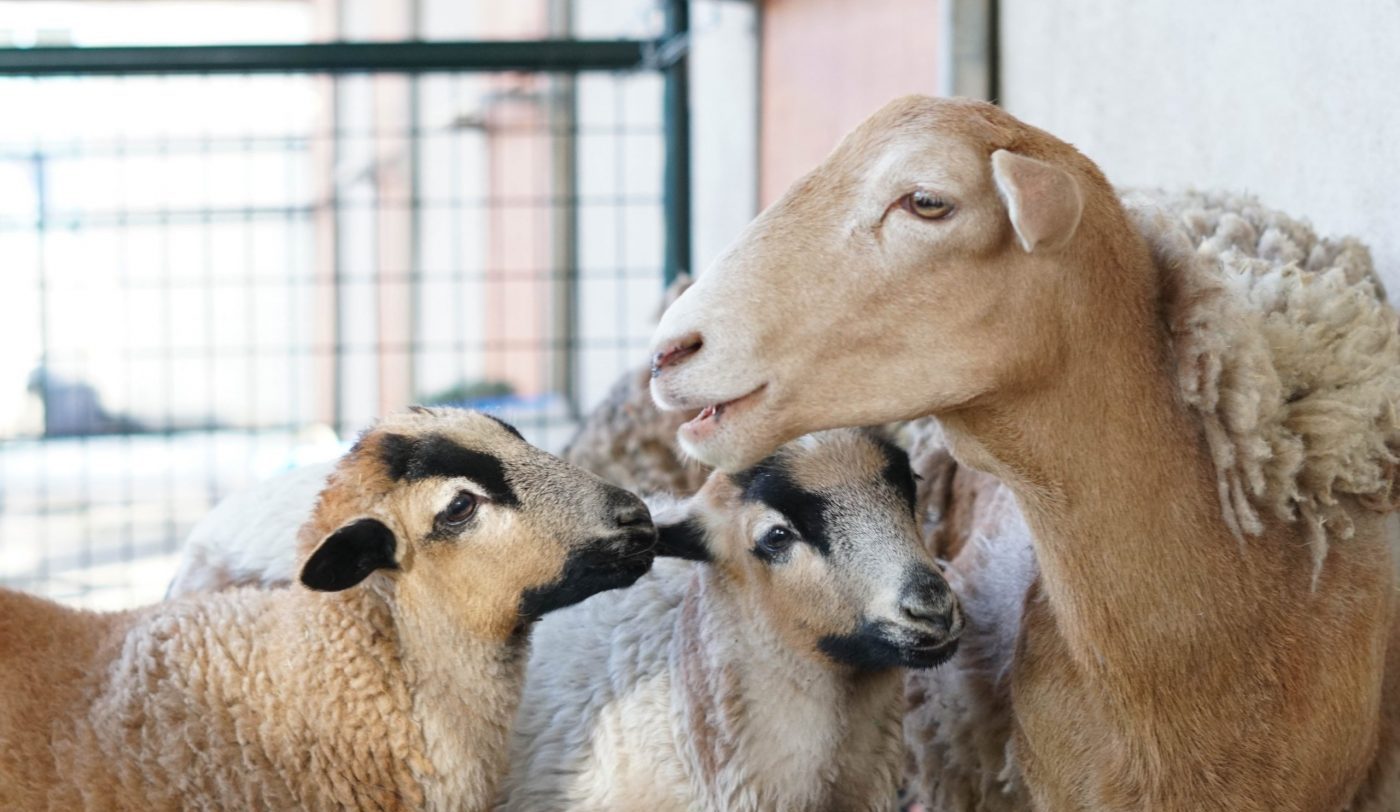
1297	101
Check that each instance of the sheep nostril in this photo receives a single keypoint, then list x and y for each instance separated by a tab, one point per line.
675	353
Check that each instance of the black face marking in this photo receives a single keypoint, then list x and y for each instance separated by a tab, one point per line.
684	540
349	555
587	572
898	472
874	646
508	427
415	458
771	484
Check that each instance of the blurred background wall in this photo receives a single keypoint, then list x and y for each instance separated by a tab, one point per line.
1293	100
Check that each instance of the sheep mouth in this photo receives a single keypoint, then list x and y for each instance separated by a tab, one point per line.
588	572
930	655
878	645
710	418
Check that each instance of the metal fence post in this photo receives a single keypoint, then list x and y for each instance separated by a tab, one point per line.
676	61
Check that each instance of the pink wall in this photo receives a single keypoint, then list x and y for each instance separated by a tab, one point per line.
519	255
827	65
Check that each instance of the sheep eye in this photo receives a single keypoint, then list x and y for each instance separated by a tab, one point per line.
926	205
460	509
776	541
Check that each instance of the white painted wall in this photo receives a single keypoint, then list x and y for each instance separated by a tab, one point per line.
723	124
1297	101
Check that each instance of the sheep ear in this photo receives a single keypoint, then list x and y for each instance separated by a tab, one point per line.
1043	201
347	556
678	533
682	540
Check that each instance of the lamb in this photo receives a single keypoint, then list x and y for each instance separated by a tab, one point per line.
1203	452
386	679
765	673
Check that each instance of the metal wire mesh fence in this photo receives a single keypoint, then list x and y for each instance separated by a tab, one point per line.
209	277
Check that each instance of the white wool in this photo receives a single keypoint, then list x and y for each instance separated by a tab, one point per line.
1287	351
249	538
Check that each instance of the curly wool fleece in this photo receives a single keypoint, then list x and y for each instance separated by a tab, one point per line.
1286	348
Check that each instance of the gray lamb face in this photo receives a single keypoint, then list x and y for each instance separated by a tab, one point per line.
470	520
824	532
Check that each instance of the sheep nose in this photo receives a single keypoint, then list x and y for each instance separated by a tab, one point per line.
927	601
937	615
628	511
676	352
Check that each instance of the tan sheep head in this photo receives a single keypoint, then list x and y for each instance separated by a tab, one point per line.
929	261
459	516
820	536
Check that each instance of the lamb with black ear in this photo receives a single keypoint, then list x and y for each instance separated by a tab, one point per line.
386	678
761	670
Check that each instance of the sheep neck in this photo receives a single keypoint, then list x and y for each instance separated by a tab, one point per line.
1156	647
465	690
1116	485
763	720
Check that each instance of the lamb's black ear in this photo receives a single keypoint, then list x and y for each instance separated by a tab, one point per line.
347	556
682	539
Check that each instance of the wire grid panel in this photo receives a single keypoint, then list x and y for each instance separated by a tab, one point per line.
209	279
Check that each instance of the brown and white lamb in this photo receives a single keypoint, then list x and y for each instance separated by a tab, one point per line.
386	678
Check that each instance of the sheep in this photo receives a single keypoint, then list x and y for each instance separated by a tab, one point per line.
958	722
625	440
386	678
762	674
1202	446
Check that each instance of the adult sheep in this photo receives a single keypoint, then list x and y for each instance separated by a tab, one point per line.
1203	458
386	680
959	722
768	676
